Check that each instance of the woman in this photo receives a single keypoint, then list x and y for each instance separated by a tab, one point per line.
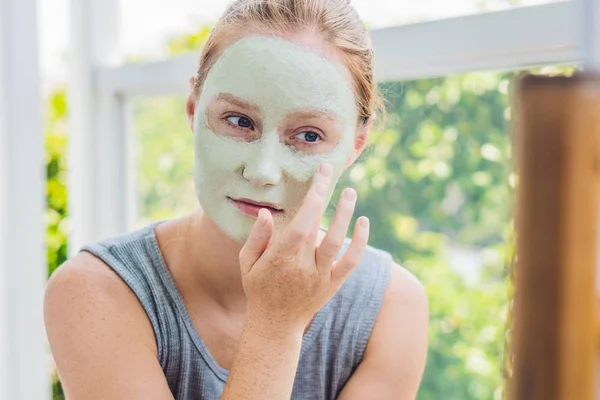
246	298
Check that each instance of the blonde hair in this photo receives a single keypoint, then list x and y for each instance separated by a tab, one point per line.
336	21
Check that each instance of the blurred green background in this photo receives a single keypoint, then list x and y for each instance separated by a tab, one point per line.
436	182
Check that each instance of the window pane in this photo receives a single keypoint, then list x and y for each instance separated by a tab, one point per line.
438	186
165	151
154	29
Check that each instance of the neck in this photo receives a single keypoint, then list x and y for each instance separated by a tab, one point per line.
204	262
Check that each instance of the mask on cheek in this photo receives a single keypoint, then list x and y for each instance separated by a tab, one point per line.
280	78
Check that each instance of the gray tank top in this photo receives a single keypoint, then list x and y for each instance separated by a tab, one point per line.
332	347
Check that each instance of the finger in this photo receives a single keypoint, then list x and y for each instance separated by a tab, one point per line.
338	229
353	256
308	218
257	241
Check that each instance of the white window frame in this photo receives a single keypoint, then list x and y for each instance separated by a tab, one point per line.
24	359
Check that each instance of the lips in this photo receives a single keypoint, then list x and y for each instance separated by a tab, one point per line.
252	207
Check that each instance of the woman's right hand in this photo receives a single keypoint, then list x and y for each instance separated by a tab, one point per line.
289	277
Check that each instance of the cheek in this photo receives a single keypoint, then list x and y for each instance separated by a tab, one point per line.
295	192
219	156
303	168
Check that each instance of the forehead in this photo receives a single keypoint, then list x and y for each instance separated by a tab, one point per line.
274	72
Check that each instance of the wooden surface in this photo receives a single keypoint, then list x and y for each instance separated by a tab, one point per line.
557	148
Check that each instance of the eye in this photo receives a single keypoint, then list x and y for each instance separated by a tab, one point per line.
241	122
309	136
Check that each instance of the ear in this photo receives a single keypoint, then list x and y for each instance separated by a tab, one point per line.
190	105
360	141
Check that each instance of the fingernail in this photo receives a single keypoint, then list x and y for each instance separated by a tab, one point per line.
364	222
321	188
326	169
350	194
262	217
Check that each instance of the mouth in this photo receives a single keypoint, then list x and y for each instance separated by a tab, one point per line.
252	207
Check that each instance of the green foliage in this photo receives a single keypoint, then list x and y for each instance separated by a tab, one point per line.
186	43
164	181
56	190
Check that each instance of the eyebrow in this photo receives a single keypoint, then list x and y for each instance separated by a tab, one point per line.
311	113
236	101
315	114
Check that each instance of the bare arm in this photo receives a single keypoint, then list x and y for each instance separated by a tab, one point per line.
265	365
101	339
394	359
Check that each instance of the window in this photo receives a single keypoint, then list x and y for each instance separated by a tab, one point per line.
164	162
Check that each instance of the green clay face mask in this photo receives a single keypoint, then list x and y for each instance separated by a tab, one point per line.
261	89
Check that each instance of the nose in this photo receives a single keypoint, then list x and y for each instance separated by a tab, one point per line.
263	168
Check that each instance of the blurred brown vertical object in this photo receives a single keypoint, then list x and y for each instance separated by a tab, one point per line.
557	148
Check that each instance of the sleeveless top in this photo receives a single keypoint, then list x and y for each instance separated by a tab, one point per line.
332	347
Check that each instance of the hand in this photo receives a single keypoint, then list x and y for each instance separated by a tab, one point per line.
288	278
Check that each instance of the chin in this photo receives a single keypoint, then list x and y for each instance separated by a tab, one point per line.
237	226
237	232
228	222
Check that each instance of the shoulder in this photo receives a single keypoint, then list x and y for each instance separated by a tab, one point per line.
85	277
85	273
404	290
85	296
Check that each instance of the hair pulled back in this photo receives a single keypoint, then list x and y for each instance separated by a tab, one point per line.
336	21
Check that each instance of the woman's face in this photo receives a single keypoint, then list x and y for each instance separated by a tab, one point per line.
270	112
